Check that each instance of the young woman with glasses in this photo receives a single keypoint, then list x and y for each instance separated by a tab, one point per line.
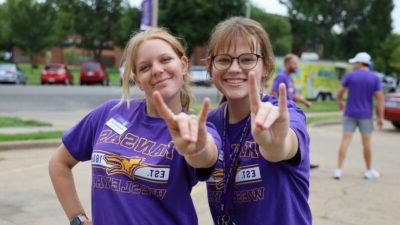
262	175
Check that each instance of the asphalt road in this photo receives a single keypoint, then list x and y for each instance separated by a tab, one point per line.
15	98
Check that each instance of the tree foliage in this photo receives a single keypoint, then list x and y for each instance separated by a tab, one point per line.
31	24
341	28
193	20
278	28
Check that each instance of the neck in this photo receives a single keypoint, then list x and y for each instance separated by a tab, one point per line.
174	105
238	109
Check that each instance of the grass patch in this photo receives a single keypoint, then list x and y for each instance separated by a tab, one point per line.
17	122
31	136
323	118
325	106
195	108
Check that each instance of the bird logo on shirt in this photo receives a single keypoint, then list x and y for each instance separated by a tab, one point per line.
123	164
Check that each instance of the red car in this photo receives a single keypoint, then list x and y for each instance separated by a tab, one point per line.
93	72
56	73
392	108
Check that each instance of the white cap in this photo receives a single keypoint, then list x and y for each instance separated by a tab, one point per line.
361	57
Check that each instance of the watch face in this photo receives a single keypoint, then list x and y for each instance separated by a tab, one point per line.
78	220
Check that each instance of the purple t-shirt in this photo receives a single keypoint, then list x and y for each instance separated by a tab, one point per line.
267	193
285	78
362	85
137	176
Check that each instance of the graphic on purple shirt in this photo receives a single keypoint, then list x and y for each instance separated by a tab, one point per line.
283	77
137	176
265	192
361	85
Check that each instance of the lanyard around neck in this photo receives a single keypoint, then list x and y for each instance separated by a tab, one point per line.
231	163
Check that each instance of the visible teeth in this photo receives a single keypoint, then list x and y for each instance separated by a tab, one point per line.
235	81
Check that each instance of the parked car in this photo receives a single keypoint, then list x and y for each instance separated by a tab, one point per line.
11	73
199	76
56	74
392	108
93	72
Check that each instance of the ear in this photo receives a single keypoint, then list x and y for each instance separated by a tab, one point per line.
185	64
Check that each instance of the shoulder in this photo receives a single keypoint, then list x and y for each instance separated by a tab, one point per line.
216	115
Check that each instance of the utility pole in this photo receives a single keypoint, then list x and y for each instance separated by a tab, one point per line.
248	9
154	22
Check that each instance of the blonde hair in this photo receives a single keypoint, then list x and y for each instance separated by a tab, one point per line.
226	34
130	55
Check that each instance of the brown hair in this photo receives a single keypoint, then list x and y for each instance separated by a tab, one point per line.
289	57
227	32
130	55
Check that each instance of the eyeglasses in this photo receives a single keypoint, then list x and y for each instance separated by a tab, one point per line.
246	61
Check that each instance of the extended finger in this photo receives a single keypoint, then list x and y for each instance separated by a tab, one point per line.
162	108
282	101
253	92
204	110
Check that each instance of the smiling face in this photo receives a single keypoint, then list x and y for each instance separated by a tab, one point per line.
159	68
232	82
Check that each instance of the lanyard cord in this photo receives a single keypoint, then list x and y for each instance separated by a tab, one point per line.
230	167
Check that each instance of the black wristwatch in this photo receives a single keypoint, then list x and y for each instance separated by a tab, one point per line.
78	219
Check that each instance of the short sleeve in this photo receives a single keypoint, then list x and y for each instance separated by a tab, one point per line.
80	139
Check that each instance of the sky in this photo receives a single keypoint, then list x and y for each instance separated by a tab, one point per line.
273	6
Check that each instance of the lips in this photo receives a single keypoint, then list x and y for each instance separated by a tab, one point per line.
161	81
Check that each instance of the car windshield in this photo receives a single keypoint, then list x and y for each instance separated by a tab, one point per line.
7	66
91	67
52	67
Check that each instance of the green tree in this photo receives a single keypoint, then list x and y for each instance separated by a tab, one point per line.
5	31
193	20
128	23
388	55
339	28
31	24
278	28
95	21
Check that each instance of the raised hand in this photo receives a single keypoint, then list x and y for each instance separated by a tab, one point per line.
269	123
188	132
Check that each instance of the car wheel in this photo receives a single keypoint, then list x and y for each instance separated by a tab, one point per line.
396	124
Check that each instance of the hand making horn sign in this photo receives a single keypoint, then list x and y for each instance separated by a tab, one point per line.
189	133
270	124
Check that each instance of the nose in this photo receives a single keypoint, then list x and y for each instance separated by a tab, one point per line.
157	68
235	65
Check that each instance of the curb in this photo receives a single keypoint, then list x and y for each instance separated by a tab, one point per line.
31	144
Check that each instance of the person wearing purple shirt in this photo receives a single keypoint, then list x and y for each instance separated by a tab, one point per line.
146	154
362	85
262	173
291	64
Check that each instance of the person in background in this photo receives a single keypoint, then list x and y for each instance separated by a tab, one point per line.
362	86
146	154
262	174
291	65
